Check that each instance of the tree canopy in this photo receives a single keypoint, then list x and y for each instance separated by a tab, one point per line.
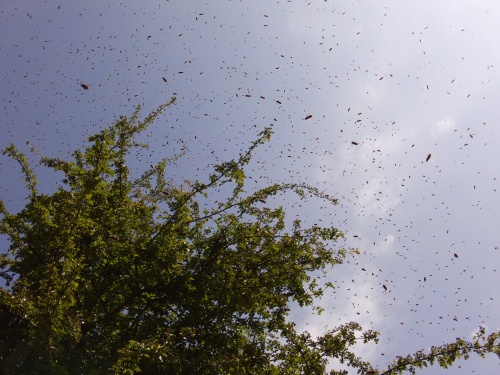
118	274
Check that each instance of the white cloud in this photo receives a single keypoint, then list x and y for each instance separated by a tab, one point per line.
386	245
361	308
443	126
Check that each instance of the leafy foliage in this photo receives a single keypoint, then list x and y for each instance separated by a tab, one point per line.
111	274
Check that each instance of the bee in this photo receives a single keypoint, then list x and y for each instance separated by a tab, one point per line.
428	157
354	143
84	86
164	79
277	101
385	288
308	117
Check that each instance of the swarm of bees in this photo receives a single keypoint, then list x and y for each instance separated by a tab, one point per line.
368	182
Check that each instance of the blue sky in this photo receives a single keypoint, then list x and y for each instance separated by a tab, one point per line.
401	79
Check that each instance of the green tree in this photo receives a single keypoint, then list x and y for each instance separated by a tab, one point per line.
111	274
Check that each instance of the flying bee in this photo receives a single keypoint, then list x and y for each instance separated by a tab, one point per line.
84	86
308	117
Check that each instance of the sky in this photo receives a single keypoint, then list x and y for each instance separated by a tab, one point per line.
404	105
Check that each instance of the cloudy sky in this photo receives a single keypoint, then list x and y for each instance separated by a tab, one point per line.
387	83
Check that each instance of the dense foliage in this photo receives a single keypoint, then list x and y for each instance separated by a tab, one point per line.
111	274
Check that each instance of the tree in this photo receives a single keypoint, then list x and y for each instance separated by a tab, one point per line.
111	274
